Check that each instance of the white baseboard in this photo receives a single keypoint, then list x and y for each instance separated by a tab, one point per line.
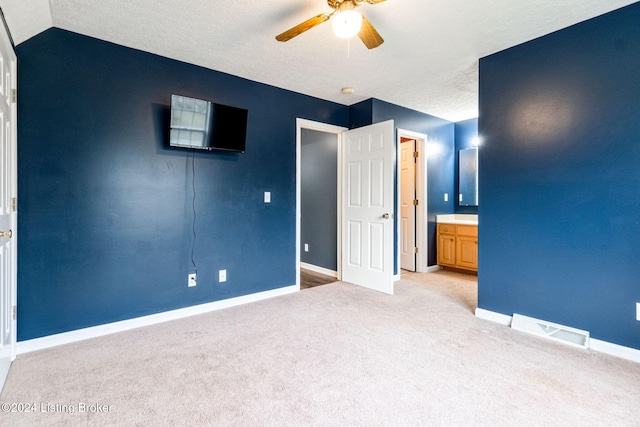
594	344
615	350
320	270
430	269
125	325
492	316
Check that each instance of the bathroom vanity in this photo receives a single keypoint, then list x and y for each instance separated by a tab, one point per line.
458	241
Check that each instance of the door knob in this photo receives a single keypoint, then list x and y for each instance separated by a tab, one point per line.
386	216
6	233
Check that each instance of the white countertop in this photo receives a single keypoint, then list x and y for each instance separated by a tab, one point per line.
467	219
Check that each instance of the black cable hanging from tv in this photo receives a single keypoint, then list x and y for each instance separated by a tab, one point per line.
193	206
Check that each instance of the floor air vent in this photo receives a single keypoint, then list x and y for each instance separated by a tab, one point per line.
541	328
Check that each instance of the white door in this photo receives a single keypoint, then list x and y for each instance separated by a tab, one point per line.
8	187
407	206
367	208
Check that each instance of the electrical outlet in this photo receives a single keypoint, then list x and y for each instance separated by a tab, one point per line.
446	197
306	247
267	196
222	276
638	311
191	280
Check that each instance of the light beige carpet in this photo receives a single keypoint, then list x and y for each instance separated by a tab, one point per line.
332	355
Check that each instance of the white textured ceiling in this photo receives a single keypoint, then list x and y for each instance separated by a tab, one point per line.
429	61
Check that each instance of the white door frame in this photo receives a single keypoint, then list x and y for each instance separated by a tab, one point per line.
422	258
327	128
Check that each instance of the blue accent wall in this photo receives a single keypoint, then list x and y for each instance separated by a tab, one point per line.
361	114
440	159
105	224
560	178
465	131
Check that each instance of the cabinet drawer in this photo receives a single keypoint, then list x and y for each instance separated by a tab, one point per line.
446	229
468	230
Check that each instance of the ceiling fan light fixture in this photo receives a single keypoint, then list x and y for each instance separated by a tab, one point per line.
346	23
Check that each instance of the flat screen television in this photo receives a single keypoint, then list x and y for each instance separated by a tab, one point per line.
203	125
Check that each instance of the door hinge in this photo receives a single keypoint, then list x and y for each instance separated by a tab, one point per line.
416	155
14	95
415	203
14	204
416	250
15	312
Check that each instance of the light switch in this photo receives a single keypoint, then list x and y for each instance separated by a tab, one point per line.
267	197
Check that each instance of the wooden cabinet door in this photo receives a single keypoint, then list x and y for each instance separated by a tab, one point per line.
447	249
467	252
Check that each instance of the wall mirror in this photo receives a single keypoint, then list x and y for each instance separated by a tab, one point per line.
468	177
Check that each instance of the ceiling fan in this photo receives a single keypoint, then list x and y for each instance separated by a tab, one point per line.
346	23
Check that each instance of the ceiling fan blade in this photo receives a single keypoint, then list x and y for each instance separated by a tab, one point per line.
301	28
369	36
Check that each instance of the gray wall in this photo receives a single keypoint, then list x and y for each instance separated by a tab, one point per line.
319	198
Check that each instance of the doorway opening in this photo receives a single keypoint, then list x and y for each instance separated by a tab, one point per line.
408	203
318	148
365	247
412	202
